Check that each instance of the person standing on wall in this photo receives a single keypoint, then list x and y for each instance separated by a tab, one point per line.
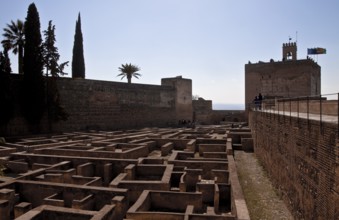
259	100
256	103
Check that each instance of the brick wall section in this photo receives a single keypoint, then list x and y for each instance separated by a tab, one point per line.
219	116
302	159
105	105
202	111
204	114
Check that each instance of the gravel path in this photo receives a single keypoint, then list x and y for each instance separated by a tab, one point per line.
262	201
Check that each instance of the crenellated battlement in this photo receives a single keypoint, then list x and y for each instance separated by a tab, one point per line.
290	44
289	51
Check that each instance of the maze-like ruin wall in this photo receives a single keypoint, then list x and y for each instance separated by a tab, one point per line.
302	159
153	173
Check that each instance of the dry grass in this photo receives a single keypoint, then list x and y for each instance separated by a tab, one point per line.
261	198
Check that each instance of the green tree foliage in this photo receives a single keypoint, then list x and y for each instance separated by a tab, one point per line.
33	103
51	57
15	40
6	95
129	71
5	63
50	53
78	61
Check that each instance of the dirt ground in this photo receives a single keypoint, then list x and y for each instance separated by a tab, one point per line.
262	201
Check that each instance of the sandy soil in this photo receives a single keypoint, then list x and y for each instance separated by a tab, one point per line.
262	201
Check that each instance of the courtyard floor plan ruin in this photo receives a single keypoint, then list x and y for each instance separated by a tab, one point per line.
152	173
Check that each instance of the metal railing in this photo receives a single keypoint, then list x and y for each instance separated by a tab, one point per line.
324	108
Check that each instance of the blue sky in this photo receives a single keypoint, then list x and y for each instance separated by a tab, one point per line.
208	41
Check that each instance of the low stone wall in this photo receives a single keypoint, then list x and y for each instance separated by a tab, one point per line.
221	116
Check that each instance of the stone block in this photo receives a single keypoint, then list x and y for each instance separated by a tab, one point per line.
247	144
5	210
166	148
86	169
22	208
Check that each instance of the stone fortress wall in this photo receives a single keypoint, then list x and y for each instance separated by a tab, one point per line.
301	158
111	105
105	105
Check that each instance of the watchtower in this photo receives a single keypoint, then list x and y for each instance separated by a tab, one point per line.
183	96
290	51
282	79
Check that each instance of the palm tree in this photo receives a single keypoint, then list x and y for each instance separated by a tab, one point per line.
15	40
129	71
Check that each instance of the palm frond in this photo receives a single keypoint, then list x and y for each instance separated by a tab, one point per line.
129	70
14	35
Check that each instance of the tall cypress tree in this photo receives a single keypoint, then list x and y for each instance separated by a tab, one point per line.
6	94
78	61
55	111
33	85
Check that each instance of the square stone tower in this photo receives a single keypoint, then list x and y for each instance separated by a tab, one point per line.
183	96
282	79
289	51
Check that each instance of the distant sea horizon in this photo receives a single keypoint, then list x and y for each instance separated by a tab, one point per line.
222	106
